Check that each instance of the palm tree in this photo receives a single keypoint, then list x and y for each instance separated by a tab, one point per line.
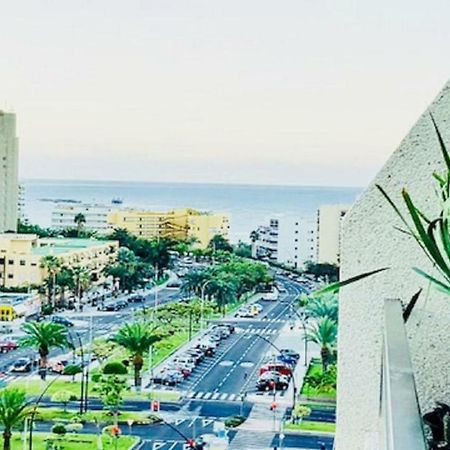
194	281
80	220
224	292
52	265
323	306
136	338
82	280
44	336
324	333
13	410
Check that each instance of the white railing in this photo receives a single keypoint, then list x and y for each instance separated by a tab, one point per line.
401	419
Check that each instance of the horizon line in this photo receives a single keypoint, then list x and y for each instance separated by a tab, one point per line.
242	184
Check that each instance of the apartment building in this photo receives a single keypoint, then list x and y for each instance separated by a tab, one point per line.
95	215
9	187
177	223
21	257
329	227
286	240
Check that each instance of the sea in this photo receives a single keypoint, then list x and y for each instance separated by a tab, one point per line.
248	205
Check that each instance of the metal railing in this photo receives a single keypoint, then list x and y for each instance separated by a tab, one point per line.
401	420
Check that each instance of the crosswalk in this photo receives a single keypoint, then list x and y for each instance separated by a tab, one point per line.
220	396
269	331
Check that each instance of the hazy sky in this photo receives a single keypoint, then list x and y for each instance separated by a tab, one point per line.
251	91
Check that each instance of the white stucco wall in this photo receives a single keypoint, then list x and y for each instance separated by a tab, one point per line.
370	242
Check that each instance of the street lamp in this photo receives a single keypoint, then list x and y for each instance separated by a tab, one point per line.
303	318
202	298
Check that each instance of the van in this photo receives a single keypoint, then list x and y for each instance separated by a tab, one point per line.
282	369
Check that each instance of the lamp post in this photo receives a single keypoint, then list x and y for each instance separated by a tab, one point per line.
80	342
202	299
303	318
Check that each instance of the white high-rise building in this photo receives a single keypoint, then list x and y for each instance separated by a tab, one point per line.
9	187
286	240
329	225
95	215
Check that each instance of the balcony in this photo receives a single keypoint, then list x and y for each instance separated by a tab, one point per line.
401	421
380	405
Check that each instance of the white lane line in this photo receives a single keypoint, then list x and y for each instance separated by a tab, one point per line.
215	396
207	395
223	396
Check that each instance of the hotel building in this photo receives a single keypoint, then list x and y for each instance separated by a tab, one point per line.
9	187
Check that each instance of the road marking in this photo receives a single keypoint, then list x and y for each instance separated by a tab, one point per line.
226	363
215	396
232	397
223	396
207	395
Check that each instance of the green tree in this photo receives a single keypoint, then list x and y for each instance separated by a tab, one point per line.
43	336
80	221
82	280
325	305
136	338
64	281
324	333
52	265
13	410
111	389
218	242
63	397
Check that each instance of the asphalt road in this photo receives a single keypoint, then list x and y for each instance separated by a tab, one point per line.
103	323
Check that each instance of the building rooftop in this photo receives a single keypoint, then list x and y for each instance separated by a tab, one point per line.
57	246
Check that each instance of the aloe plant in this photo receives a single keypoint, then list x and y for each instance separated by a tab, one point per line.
431	234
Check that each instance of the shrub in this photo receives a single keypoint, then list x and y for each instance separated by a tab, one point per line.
96	377
72	369
114	368
59	429
234	421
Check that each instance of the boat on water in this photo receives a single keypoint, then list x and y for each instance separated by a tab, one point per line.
116	201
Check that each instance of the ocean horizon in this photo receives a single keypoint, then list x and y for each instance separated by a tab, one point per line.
249	205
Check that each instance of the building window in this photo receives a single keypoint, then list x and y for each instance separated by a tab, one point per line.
10	262
22	262
10	275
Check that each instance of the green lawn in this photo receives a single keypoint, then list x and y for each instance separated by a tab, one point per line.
72	442
59	415
315	368
308	425
35	387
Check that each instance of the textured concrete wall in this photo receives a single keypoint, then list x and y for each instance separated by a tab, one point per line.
370	242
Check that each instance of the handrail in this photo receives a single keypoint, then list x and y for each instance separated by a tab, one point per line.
401	421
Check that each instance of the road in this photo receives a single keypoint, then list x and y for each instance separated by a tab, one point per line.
216	388
103	323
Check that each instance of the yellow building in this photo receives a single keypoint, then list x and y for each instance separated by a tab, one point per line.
177	223
21	257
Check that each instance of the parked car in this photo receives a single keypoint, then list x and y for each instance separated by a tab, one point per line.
175	284
272	380
281	368
136	299
62	321
7	345
22	365
287	359
290	352
244	313
169	378
229	326
197	354
121	304
111	306
207	347
185	361
185	371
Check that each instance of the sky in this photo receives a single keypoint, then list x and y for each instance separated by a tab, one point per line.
298	92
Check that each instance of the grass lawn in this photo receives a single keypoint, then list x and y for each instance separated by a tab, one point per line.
307	425
315	368
35	387
59	415
72	442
